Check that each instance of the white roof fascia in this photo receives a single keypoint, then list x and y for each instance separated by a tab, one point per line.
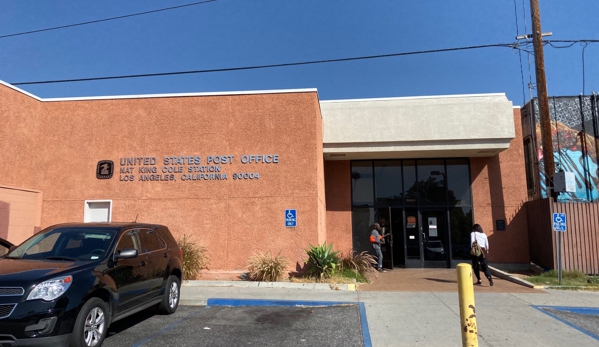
172	95
181	95
416	97
19	90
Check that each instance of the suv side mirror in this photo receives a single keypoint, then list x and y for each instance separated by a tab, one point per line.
126	253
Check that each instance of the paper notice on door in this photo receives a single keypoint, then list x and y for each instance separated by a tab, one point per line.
411	222
432	227
432	232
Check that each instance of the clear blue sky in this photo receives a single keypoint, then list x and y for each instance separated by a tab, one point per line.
236	33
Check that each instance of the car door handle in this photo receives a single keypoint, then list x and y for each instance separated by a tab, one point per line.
143	263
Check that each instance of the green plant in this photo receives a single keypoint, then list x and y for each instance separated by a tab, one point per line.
322	261
194	258
362	263
264	267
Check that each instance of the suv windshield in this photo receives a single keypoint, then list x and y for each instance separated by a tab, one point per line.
72	244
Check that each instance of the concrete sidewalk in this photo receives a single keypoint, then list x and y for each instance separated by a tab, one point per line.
431	318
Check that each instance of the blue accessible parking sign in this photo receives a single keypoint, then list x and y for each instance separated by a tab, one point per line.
559	222
290	218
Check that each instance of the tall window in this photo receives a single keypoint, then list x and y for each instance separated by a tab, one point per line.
362	183
410	184
387	182
431	182
458	182
422	182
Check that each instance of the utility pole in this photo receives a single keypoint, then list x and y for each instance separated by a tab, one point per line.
545	120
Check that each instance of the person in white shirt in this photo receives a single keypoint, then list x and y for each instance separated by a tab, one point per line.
480	262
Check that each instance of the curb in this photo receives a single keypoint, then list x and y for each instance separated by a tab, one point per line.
192	302
285	285
275	303
506	276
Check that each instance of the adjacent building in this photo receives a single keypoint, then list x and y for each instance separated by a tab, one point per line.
567	220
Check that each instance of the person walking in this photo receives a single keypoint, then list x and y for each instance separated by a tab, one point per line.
377	240
480	262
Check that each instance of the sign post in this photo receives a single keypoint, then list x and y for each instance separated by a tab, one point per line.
559	225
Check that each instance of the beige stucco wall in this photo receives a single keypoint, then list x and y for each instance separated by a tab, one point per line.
20	213
20	204
417	127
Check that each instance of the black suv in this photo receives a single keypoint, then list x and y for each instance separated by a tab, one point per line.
66	284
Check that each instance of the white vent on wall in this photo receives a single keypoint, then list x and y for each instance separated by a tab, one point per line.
97	211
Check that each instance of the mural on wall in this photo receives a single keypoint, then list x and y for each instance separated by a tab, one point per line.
575	144
573	151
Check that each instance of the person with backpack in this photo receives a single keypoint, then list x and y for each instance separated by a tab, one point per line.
479	249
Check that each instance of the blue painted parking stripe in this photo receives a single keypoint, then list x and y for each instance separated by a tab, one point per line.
593	311
569	309
365	329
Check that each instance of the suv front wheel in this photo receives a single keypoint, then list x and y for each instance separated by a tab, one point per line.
91	324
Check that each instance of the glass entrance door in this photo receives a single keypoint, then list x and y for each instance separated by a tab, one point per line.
426	205
398	238
434	238
412	239
390	219
427	242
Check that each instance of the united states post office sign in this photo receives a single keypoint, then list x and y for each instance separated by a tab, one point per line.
188	168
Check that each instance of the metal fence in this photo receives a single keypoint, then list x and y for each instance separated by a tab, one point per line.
580	242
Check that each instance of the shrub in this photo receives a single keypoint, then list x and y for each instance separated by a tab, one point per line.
322	262
362	263
265	267
194	258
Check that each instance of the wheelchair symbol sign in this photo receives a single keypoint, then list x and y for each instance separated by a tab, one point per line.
559	222
290	218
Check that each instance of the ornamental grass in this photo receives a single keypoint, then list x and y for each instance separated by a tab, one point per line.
264	267
195	257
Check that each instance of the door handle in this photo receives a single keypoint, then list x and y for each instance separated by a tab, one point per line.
143	263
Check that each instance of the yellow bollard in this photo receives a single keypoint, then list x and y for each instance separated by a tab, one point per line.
467	307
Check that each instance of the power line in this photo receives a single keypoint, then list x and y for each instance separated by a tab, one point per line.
519	52
312	62
106	19
267	66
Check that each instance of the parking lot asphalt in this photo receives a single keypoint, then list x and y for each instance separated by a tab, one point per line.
506	316
259	324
